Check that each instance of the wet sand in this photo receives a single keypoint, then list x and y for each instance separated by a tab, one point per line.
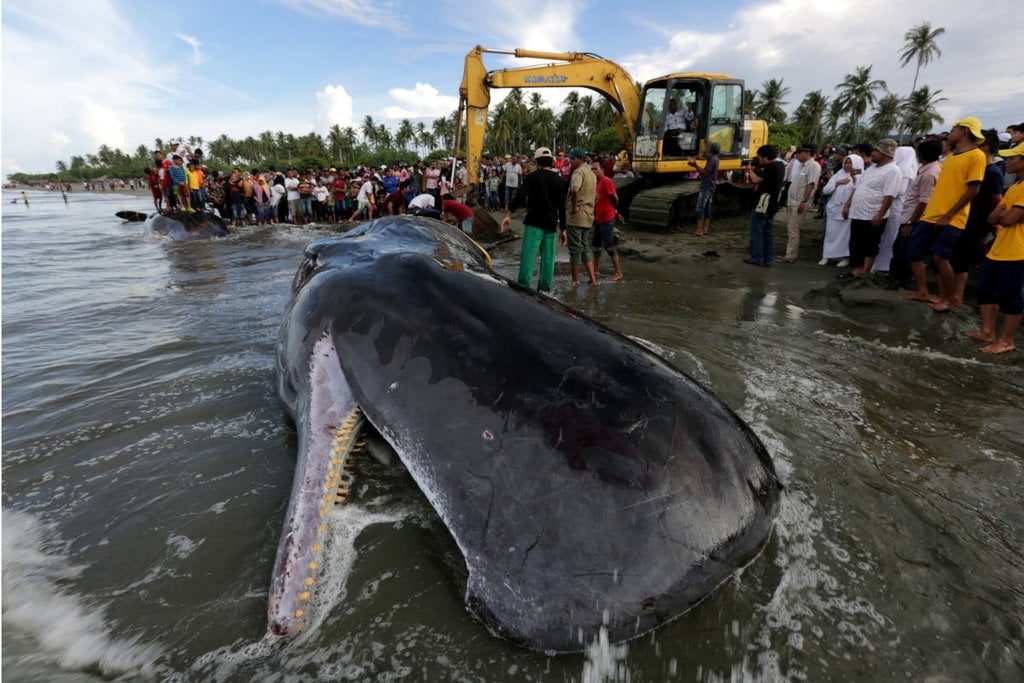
871	304
872	301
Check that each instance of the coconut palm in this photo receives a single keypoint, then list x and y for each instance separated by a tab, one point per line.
769	106
369	131
857	94
886	117
807	116
921	113
405	134
920	46
749	100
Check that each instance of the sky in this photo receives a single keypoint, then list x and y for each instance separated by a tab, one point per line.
81	73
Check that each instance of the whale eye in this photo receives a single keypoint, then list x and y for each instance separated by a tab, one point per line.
488	436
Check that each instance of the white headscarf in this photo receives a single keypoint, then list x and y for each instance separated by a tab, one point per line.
831	188
906	160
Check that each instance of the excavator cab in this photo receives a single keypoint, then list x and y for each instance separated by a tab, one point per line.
681	115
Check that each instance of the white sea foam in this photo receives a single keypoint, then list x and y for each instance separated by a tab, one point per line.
59	629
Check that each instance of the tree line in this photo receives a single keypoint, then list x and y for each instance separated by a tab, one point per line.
518	123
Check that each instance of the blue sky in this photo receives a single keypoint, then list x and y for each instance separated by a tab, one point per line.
77	74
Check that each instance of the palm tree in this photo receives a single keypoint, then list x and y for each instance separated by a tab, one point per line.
405	134
920	46
886	116
857	93
769	106
384	136
421	135
749	99
807	116
369	131
921	114
349	140
543	126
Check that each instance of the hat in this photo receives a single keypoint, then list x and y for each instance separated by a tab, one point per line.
807	147
1017	151
508	156
972	124
1004	137
577	153
333	170
542	152
887	146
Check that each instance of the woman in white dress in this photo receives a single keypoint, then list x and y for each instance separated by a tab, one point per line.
837	228
906	159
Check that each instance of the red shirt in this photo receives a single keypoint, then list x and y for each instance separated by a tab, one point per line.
604	210
460	211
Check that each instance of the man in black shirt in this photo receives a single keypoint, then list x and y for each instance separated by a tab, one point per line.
545	212
767	177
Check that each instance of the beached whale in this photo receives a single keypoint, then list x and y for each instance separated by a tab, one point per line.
585	480
179	225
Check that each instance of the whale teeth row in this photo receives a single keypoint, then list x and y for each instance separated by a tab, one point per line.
337	483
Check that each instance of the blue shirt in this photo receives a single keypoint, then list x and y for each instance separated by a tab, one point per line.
177	174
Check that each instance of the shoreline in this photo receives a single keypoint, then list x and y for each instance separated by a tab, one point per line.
871	301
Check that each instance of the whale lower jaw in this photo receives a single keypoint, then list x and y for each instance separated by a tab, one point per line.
328	425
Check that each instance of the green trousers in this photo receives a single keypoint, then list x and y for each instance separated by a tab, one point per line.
534	240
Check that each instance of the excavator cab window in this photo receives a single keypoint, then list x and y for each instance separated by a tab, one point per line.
673	112
725	120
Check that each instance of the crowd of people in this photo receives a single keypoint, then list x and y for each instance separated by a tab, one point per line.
950	201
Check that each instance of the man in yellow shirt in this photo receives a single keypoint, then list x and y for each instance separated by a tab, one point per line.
1001	281
945	216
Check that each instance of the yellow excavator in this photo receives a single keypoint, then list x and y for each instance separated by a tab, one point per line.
673	118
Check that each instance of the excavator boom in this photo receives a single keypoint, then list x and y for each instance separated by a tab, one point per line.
575	70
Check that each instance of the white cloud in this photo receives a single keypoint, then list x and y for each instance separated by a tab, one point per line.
541	25
365	12
334	106
812	45
102	124
197	55
422	100
10	166
60	141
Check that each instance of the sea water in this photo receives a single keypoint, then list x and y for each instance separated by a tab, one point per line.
146	468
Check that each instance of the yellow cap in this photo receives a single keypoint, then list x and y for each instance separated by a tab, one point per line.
1017	151
972	124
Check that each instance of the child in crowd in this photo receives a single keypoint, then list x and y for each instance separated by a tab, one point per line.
493	182
179	183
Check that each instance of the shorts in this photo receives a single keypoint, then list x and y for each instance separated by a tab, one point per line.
578	239
604	236
704	204
1002	282
928	238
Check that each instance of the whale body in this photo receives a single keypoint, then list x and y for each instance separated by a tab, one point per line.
587	482
179	225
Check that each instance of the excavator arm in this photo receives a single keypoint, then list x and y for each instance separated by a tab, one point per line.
576	70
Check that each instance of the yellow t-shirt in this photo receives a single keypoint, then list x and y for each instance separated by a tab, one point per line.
1009	244
193	179
958	171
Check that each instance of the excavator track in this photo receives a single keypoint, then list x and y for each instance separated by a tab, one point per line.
672	206
665	207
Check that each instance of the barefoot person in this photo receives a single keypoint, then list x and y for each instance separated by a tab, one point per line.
1001	280
604	222
945	216
708	182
